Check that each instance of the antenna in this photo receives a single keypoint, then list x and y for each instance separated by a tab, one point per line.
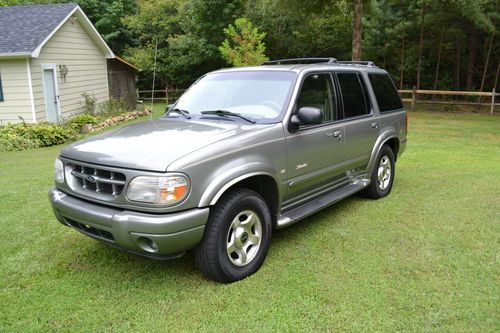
154	78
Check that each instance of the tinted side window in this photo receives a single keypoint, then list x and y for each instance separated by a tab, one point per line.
385	92
355	103
317	91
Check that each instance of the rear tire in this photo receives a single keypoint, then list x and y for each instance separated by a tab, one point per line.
236	238
382	176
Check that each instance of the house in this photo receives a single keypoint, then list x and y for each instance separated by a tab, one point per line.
49	56
122	77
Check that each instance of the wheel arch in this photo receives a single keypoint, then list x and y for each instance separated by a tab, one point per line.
390	138
262	182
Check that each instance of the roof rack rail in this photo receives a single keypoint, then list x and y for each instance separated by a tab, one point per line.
362	63
301	61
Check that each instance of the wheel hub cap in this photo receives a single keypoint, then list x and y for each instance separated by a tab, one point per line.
244	238
384	172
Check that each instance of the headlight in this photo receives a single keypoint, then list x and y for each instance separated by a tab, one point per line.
59	171
158	190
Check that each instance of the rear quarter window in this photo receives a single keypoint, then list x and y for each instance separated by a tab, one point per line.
385	92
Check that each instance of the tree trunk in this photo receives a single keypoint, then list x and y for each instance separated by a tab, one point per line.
471	64
401	69
457	65
420	45
436	75
357	31
487	61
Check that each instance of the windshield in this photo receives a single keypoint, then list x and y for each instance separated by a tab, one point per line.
260	96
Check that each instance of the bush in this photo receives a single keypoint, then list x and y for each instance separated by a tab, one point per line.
28	136
89	103
77	121
13	142
112	107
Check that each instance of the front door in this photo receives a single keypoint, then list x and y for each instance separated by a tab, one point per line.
50	93
314	152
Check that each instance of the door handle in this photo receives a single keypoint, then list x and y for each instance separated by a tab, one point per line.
374	125
335	134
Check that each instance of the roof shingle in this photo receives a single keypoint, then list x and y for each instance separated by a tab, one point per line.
23	28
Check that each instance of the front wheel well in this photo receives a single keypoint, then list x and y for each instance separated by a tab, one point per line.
264	185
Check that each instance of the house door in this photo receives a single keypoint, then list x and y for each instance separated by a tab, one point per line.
51	96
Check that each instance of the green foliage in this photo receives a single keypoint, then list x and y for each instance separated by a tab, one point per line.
23	136
89	103
111	107
10	141
243	45
188	33
107	17
321	29
81	119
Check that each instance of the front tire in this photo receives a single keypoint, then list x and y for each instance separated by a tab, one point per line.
382	176
236	238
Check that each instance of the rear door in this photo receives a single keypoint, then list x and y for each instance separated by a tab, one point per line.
361	124
313	151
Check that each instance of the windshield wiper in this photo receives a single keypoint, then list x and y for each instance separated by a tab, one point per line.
224	113
180	111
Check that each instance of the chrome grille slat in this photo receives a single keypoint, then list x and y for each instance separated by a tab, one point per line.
97	178
97	181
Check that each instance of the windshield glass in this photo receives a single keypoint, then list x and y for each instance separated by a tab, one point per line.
257	95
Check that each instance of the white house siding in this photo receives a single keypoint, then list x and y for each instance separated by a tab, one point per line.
15	86
87	73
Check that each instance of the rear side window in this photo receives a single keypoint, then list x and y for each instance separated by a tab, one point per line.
353	95
385	92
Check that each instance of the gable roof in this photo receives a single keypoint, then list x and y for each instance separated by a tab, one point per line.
26	29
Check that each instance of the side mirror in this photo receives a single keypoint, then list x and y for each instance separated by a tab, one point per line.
305	116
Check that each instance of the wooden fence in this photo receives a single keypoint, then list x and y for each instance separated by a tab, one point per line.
171	95
161	96
414	97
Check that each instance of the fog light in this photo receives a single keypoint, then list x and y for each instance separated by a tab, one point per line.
147	244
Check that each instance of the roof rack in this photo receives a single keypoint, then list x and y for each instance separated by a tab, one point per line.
362	63
302	61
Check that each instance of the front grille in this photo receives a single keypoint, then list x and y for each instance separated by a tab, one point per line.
90	230
98	180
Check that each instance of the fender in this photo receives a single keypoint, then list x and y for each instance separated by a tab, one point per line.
381	140
232	176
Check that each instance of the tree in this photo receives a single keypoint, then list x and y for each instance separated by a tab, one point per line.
303	29
107	16
357	29
243	45
188	33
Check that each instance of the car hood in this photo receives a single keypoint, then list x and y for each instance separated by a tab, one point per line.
151	145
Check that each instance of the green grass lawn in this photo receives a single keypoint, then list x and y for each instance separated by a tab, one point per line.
426	258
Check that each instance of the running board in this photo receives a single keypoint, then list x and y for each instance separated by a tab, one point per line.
297	214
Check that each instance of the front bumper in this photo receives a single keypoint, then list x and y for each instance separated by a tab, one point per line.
159	236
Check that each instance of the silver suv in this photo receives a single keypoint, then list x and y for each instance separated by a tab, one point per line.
242	152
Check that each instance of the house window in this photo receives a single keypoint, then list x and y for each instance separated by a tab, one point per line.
1	90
